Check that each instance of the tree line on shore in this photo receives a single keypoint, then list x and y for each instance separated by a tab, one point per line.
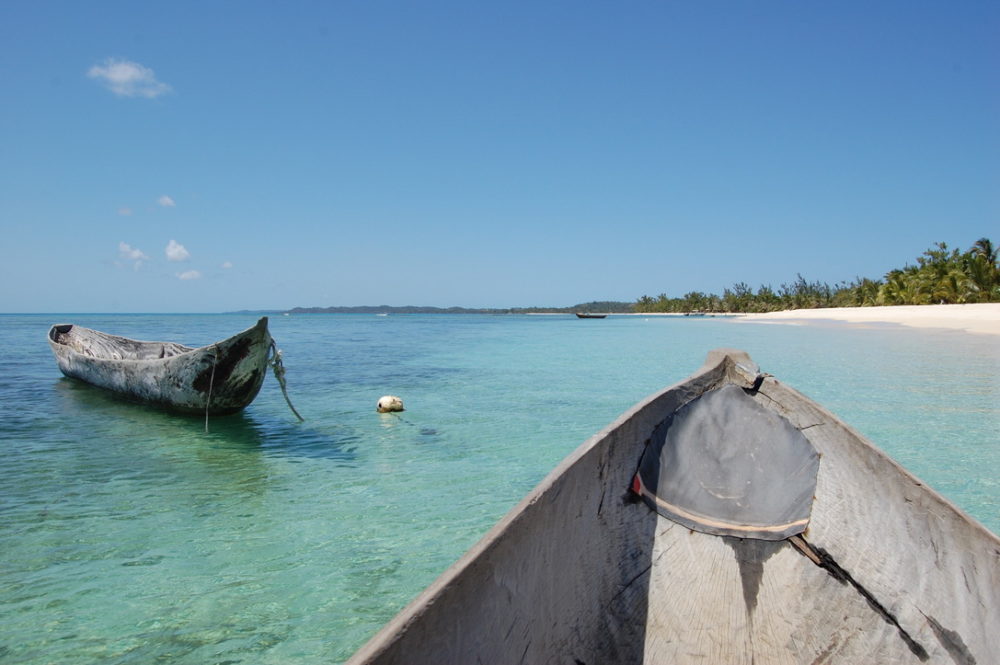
940	276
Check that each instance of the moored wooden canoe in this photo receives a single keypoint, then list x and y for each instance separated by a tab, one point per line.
220	378
726	519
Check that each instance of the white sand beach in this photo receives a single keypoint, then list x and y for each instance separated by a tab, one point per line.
978	318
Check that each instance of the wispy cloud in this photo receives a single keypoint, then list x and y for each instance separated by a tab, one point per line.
176	251
166	201
128	79
190	274
129	253
226	265
124	212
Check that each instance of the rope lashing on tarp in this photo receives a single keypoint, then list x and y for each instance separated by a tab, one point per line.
279	374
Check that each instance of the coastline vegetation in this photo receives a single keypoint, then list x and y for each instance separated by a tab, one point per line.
940	276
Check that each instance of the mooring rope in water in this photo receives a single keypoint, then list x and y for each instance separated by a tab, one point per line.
399	418
211	382
279	374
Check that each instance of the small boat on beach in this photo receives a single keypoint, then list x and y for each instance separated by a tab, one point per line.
217	379
725	519
590	315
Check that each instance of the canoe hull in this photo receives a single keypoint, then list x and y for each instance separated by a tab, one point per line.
219	379
583	571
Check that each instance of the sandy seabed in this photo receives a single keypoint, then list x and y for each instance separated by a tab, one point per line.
979	318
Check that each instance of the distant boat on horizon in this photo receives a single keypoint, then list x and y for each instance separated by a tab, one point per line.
589	315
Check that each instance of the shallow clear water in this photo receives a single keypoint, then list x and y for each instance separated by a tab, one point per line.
131	536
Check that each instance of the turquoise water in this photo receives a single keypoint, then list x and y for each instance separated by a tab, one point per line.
130	536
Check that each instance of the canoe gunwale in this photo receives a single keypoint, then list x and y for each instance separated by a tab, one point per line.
777	391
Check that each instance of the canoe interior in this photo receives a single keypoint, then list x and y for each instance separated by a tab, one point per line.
584	571
96	344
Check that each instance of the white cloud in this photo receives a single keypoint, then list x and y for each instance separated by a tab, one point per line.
128	79
227	264
190	274
130	253
176	251
166	201
124	212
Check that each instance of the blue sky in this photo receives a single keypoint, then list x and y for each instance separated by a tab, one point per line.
201	157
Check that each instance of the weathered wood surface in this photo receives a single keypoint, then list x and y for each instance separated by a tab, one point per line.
219	378
582	572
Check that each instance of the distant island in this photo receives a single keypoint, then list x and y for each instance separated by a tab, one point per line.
603	307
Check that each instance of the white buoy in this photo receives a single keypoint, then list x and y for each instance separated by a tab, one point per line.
389	404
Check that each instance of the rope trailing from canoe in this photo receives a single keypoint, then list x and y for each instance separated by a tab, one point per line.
211	383
279	374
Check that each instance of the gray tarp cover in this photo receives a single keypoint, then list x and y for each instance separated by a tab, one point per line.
723	464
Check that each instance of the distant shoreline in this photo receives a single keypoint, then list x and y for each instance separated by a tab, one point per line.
980	318
614	307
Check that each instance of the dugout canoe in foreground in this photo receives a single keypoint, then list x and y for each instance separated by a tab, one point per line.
726	519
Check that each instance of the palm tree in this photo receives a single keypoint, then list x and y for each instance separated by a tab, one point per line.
910	286
891	292
954	287
981	267
984	248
